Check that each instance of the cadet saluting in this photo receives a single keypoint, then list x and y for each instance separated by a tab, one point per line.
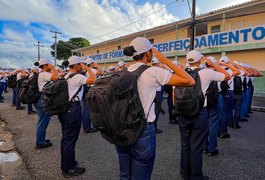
137	161
48	73
71	120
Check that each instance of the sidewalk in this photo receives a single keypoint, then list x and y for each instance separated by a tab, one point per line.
258	102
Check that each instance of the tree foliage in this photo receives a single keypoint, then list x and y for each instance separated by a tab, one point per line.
64	47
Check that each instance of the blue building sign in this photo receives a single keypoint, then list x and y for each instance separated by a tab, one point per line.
230	38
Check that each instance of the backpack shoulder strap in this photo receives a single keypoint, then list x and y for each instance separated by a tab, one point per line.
140	70
198	81
197	70
74	96
71	75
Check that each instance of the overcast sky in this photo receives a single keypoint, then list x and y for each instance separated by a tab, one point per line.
24	22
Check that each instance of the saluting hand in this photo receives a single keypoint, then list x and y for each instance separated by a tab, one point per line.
159	56
95	64
84	67
50	66
208	61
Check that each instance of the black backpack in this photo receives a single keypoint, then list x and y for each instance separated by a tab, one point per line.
224	87
12	81
237	85
168	89
245	85
115	107
189	100
20	82
56	96
212	94
250	84
29	91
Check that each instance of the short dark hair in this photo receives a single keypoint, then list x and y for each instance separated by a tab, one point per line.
128	51
190	60
72	66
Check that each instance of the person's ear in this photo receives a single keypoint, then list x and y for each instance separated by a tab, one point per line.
149	55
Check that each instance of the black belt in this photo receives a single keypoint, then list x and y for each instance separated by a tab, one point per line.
150	123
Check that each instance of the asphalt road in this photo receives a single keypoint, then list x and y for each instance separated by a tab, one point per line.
241	157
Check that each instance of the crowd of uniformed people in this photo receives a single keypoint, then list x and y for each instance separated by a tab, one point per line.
232	81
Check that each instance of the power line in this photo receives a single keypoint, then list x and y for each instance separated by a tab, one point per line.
112	25
80	18
135	20
2	51
73	46
189	7
61	44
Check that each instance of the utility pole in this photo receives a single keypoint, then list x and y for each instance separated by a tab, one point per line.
193	25
38	44
55	45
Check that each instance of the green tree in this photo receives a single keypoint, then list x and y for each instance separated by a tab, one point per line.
64	48
79	42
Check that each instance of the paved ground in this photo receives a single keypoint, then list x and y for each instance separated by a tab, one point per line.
241	157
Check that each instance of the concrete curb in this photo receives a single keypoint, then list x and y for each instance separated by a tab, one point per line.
258	108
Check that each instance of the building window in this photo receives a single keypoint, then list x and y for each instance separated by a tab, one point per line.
200	29
152	41
119	47
215	29
97	51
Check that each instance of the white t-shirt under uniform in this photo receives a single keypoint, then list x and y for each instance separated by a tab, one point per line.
19	76
148	83
74	84
43	78
207	76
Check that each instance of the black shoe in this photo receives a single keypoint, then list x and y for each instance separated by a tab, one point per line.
224	135
244	120
42	146
247	115
184	177
6	91
158	131
47	140
32	112
91	130
2	101
250	112
211	154
236	126
74	172
230	125
175	122
20	108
